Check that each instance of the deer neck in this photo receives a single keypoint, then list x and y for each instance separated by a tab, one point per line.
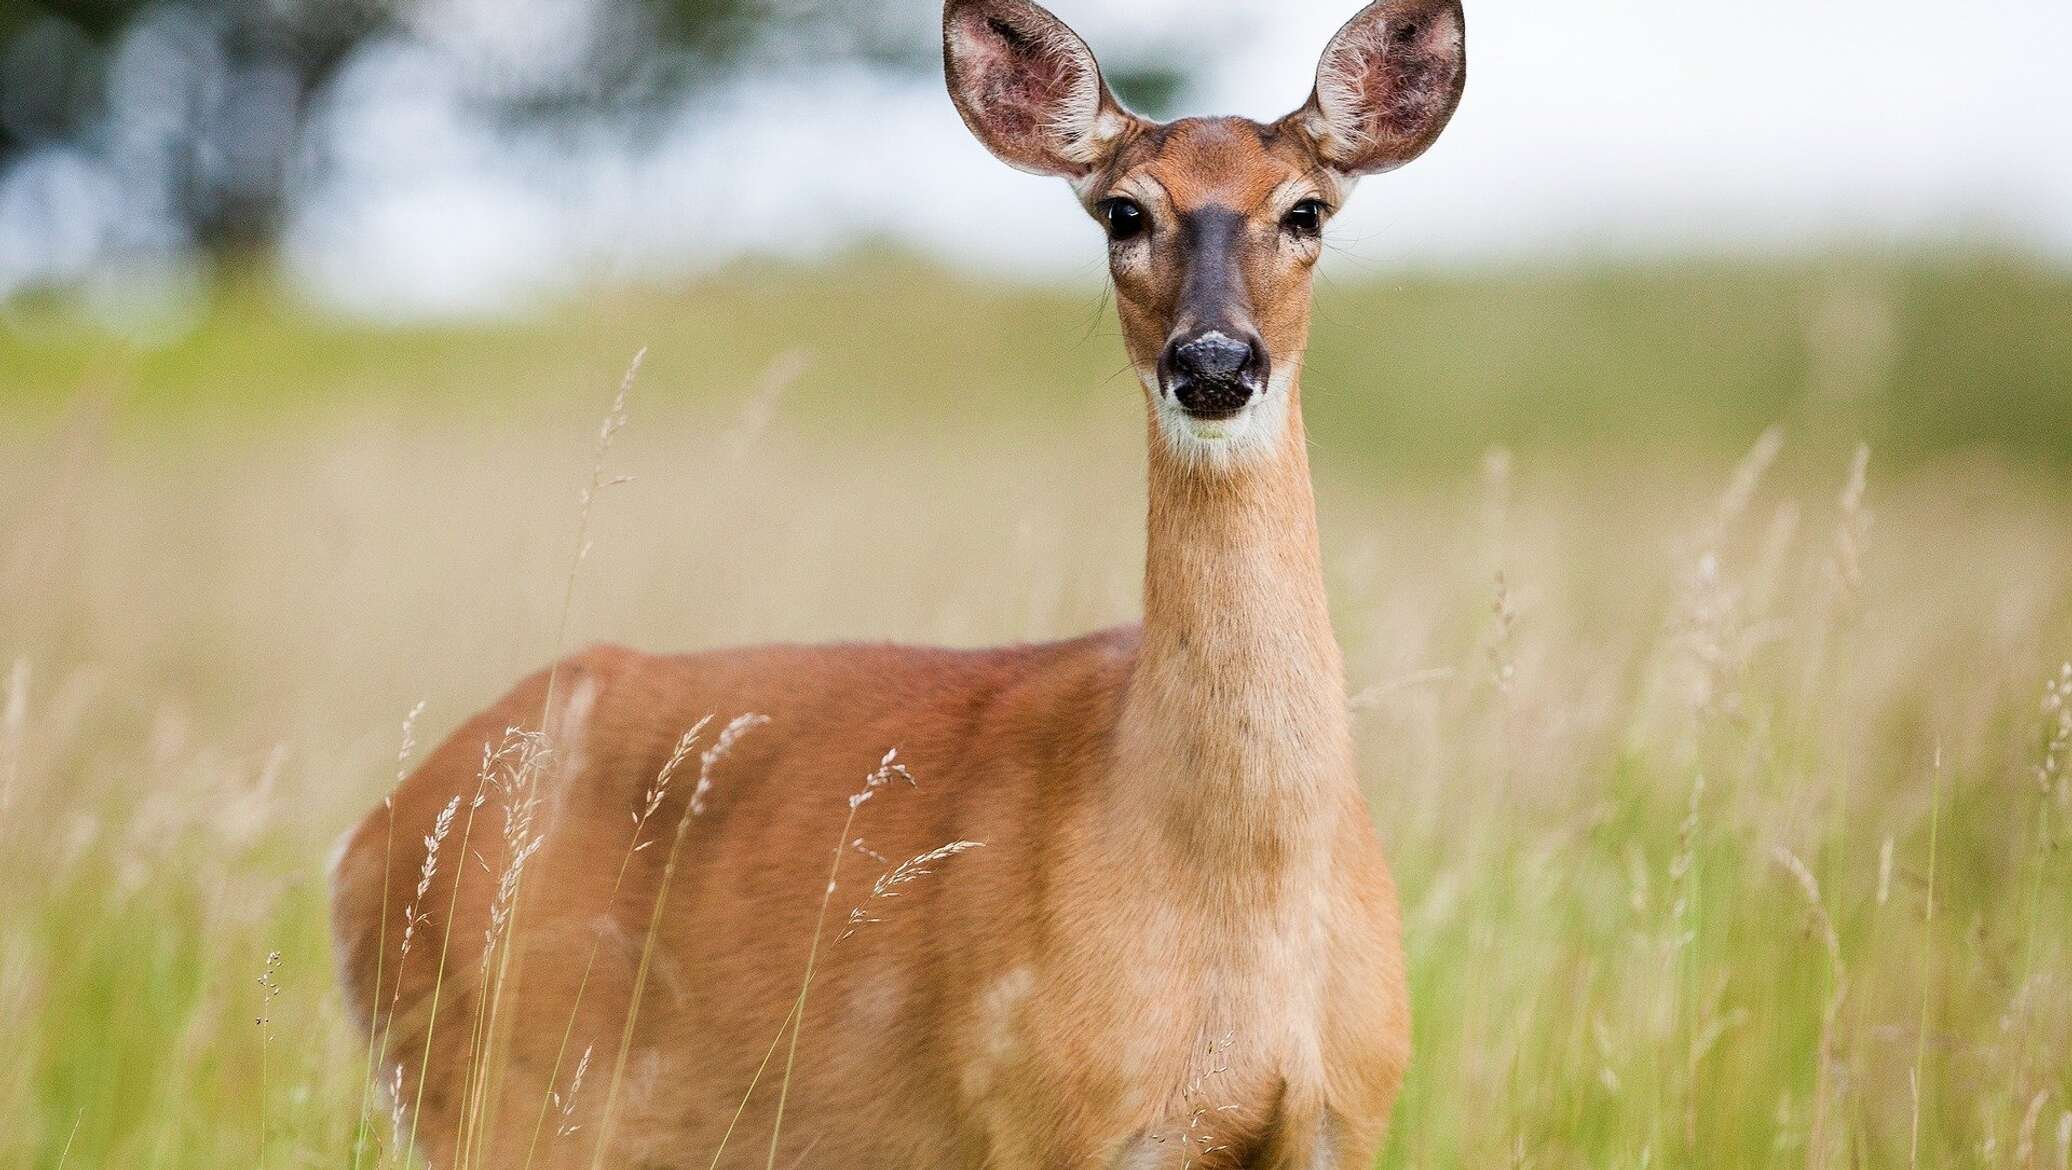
1234	747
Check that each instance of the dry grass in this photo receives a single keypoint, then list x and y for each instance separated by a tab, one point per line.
1730	823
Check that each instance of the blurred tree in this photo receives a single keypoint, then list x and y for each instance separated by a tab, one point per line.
205	101
219	87
146	129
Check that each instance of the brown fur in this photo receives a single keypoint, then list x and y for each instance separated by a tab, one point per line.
1178	945
1231	164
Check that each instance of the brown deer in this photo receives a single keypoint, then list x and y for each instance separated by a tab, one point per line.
1179	944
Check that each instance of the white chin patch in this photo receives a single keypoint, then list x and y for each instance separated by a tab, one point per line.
1221	443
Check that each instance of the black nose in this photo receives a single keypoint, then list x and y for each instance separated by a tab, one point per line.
1213	356
1214	373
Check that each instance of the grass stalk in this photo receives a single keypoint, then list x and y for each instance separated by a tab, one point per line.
634	845
364	1125
424	1064
640	978
1920	1086
798	1011
482	1047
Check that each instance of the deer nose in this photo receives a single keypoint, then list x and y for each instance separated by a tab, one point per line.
1214	355
1213	373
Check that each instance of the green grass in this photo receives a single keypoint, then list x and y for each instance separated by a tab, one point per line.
229	567
1922	357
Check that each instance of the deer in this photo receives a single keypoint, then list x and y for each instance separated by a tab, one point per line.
1168	936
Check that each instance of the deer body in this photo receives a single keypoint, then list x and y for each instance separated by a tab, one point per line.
1178	944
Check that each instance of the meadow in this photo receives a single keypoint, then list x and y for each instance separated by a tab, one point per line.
1707	628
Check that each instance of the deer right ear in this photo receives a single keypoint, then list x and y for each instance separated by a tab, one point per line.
1029	88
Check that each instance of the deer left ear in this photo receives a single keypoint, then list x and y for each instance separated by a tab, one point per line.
1387	85
1029	88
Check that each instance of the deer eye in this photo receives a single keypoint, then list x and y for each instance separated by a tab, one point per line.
1122	217
1305	218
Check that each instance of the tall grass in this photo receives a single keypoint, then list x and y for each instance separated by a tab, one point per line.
1729	801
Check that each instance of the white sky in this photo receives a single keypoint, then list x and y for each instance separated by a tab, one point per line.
1589	126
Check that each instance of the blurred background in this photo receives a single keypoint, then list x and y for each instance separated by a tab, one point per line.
1864	204
1692	428
452	157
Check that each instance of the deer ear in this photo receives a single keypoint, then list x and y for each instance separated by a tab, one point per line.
1387	84
1029	88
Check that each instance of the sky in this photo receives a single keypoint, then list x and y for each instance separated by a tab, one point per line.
1589	128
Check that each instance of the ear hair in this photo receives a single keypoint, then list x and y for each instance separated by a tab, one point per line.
1028	87
1387	85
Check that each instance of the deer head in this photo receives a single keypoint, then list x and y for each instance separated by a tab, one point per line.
1213	224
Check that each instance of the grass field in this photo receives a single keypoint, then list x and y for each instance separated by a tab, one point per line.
1725	774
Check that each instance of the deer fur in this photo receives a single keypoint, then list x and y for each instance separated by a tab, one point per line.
1178	944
